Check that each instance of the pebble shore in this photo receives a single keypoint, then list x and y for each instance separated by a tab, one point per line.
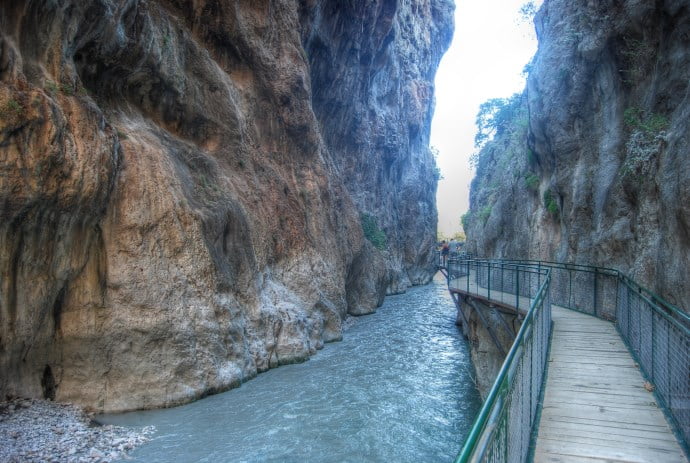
41	431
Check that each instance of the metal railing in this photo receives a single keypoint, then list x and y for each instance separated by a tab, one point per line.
658	336
451	257
509	283
502	430
656	332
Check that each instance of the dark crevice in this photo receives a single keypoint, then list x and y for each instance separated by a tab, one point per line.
48	383
57	308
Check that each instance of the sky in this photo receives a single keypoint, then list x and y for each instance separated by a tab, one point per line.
491	46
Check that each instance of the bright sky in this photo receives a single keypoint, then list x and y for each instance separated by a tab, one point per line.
489	51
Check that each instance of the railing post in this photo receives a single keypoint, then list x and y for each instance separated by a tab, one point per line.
594	306
517	289
570	288
469	276
488	279
501	287
651	373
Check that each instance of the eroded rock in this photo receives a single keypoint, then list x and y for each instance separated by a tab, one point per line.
181	186
600	175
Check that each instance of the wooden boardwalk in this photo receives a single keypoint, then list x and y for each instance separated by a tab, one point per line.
506	300
596	407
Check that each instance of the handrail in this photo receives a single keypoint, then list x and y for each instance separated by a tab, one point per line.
653	297
656	332
479	439
635	287
656	300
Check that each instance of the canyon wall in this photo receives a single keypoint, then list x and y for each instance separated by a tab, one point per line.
183	185
592	166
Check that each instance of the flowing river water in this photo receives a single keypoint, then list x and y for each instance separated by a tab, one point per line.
397	388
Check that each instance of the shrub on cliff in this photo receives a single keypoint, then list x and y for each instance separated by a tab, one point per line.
550	203
372	232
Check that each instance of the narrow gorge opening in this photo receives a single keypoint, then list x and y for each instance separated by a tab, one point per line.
488	59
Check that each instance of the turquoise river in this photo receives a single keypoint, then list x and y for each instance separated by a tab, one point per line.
398	388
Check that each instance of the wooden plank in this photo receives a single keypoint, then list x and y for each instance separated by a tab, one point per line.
595	405
611	440
618	453
604	428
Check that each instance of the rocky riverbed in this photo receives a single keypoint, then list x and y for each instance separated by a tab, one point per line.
42	431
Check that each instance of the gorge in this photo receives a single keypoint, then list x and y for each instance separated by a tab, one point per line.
183	185
195	192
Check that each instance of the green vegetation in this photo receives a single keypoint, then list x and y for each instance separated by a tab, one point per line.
372	232
465	220
527	11
485	213
66	89
51	87
649	123
496	115
550	203
645	142
532	181
457	236
636	54
12	108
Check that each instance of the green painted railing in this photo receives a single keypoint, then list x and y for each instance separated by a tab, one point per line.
501	431
656	333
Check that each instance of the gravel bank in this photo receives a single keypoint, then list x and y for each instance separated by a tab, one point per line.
42	431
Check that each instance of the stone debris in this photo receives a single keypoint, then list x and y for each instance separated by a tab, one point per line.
34	430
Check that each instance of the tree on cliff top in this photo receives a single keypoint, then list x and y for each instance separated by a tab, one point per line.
495	115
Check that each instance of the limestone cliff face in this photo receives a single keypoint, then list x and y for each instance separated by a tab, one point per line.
374	98
600	173
181	184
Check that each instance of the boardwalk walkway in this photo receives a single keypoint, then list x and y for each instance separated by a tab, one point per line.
469	286
596	408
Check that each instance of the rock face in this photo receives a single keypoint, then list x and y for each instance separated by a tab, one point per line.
181	184
487	358
595	170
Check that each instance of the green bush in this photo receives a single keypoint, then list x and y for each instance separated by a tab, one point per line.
532	181
651	124
485	213
67	89
372	232
12	108
465	220
51	87
550	203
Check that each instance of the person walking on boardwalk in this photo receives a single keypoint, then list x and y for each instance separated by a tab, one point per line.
453	245
445	249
